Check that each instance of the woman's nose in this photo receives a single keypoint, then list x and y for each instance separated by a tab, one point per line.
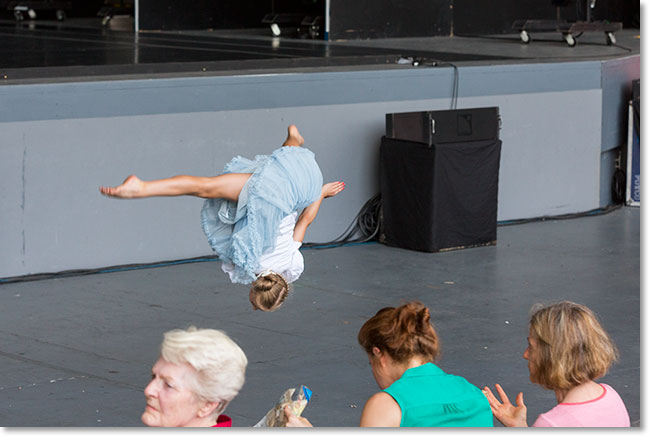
150	390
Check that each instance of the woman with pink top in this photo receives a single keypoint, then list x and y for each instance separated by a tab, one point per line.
567	351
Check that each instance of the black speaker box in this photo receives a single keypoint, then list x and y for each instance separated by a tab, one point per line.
438	127
441	197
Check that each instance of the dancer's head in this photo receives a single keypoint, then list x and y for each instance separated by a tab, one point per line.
567	346
397	335
268	291
197	375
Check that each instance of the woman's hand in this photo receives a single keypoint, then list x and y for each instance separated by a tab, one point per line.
295	421
506	413
331	189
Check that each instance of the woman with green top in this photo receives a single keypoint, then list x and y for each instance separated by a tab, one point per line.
402	344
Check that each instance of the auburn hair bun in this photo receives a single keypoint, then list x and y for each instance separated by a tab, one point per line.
403	332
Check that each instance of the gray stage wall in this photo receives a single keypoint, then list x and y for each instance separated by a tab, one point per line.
61	141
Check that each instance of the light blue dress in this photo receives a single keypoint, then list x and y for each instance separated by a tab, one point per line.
286	181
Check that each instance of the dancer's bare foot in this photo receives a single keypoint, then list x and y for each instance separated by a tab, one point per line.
293	138
333	188
132	187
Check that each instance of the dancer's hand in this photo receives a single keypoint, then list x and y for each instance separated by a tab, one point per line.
331	189
506	413
295	421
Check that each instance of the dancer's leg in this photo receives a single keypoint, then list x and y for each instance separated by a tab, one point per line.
294	139
227	186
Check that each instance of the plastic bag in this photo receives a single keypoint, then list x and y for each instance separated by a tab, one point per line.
276	417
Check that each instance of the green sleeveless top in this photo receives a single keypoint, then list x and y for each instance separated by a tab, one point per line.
429	397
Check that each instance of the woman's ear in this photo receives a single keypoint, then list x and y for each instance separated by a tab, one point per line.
208	408
381	357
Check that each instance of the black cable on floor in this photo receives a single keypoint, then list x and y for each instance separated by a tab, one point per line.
367	225
109	269
593	212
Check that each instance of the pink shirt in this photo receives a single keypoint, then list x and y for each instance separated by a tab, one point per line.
607	410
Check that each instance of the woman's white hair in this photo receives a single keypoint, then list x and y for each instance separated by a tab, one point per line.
219	362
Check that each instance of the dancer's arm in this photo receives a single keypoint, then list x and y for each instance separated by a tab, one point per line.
309	214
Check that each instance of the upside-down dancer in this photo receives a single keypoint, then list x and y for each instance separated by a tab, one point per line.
251	214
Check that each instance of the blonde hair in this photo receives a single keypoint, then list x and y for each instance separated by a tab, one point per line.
572	346
219	362
402	332
269	291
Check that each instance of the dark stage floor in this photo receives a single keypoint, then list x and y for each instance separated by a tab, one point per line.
82	49
77	351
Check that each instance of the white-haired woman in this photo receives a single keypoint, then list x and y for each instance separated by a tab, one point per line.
197	375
